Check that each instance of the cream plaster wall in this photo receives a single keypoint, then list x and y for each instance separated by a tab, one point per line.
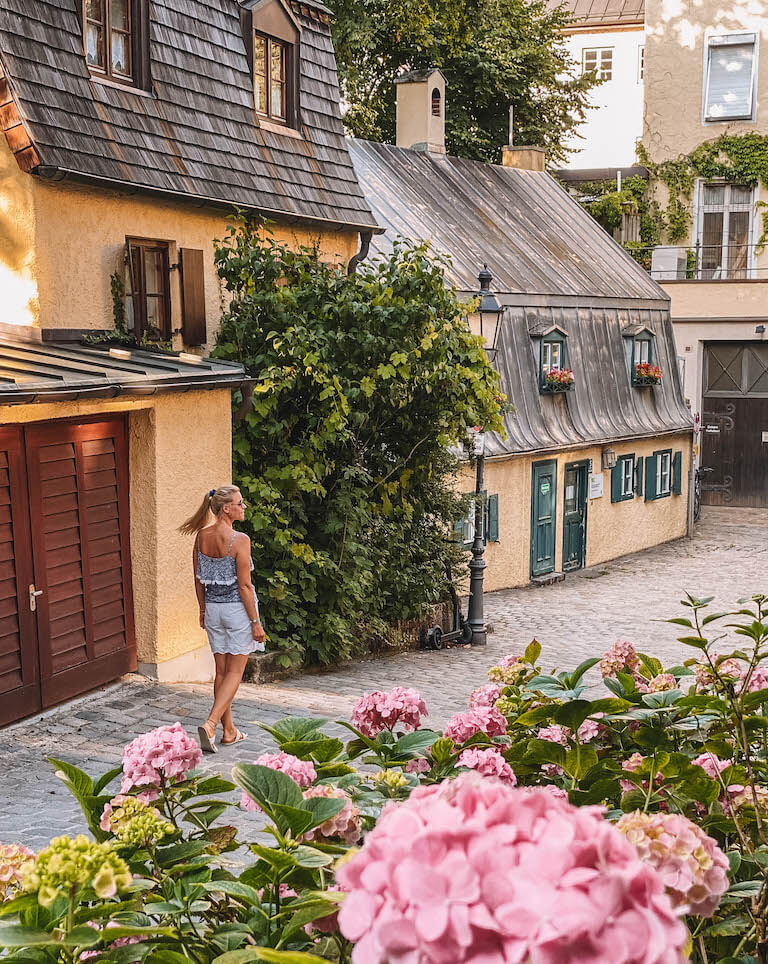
612	127
61	241
613	529
179	448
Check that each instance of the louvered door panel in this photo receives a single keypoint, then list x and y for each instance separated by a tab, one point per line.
79	492
19	678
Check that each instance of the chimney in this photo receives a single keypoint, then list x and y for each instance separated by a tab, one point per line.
523	158
421	110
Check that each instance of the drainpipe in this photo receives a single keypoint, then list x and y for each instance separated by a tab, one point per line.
362	254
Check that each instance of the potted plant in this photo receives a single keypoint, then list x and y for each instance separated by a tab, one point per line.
646	374
557	380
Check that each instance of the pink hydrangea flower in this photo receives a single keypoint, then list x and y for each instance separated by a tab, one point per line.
379	711
329	924
488	763
419	765
727	669
480	719
620	658
300	771
711	764
346	823
662	682
165	754
472	870
485	695
13	857
694	869
758	680
554	734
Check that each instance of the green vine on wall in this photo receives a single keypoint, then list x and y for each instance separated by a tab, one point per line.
735	158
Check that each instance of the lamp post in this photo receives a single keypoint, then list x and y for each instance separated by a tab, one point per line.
490	312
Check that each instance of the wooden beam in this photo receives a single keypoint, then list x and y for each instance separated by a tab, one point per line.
16	134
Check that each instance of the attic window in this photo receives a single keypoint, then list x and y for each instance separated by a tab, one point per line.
272	38
115	36
436	102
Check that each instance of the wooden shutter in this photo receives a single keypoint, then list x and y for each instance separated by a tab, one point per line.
493	518
677	473
193	328
650	477
78	482
639	475
19	677
616	482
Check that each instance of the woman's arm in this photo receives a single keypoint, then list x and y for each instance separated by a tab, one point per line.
248	596
199	587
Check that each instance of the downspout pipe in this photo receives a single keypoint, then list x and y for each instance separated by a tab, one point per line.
362	254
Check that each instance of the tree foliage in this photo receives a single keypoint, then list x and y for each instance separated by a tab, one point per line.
364	382
494	53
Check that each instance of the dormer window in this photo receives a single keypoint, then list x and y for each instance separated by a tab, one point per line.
552	352
273	35
642	350
115	40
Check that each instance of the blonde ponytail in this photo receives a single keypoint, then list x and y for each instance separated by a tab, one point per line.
212	503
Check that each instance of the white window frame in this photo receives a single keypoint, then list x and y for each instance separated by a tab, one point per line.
598	65
641	63
548	351
698	225
627	476
720	40
663	474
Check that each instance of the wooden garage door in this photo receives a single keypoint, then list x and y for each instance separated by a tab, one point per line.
19	678
78	500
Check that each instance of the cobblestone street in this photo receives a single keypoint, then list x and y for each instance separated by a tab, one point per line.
580	617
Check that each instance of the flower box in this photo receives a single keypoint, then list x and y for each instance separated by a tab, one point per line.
645	374
557	380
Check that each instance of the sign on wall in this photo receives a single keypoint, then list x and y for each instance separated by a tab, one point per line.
596	486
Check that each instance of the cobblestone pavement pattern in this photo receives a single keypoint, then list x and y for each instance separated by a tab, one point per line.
580	617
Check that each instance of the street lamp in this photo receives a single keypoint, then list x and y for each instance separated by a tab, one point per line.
475	616
490	312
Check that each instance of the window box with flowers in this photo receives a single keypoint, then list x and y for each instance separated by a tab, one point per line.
646	374
557	380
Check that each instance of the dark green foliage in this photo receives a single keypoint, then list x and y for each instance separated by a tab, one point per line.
363	382
493	52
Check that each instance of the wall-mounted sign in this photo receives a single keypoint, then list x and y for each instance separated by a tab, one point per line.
712	429
595	486
765	437
544	486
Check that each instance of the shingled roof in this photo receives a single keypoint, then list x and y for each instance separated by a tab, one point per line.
197	134
602	13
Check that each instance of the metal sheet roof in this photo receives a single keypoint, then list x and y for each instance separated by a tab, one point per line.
44	372
535	238
602	406
602	13
196	133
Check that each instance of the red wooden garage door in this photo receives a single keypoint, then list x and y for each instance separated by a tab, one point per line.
81	632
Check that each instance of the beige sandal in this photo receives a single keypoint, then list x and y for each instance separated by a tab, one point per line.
238	739
207	744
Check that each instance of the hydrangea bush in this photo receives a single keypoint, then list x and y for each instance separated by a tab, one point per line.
613	814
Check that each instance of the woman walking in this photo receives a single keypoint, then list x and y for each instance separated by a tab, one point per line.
229	608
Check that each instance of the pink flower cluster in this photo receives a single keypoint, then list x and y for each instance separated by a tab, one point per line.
165	754
488	763
379	711
300	771
555	733
711	764
732	670
475	871
13	857
329	924
346	823
480	719
485	695
419	765
633	763
694	869
620	658
662	682
118	942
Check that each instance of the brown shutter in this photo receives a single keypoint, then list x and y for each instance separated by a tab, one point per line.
193	330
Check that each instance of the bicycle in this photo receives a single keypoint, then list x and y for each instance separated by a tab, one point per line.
701	471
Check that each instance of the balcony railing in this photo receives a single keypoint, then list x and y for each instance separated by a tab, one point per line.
729	262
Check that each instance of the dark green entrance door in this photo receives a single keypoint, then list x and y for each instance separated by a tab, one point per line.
543	517
575	516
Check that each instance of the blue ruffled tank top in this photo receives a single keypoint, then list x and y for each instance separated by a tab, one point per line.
219	576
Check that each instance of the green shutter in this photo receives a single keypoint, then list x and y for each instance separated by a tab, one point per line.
616	482
677	473
650	477
639	475
493	518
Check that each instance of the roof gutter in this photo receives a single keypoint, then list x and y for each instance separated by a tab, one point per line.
53	173
134	389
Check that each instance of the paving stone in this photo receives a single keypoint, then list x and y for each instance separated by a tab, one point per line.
579	617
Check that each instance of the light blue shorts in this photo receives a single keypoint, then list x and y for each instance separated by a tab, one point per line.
229	629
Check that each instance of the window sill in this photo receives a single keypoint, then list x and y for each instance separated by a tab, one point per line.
645	383
280	129
128	88
555	389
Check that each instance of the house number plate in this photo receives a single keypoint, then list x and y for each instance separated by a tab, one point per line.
765	437
544	487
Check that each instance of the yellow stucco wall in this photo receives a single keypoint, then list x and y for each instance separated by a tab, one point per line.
613	529
61	241
179	448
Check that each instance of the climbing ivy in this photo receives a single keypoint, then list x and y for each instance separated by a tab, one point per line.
607	203
736	158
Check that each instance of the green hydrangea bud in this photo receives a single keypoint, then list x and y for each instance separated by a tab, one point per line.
67	865
393	779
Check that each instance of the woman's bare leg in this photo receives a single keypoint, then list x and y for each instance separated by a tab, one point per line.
224	693
221	671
